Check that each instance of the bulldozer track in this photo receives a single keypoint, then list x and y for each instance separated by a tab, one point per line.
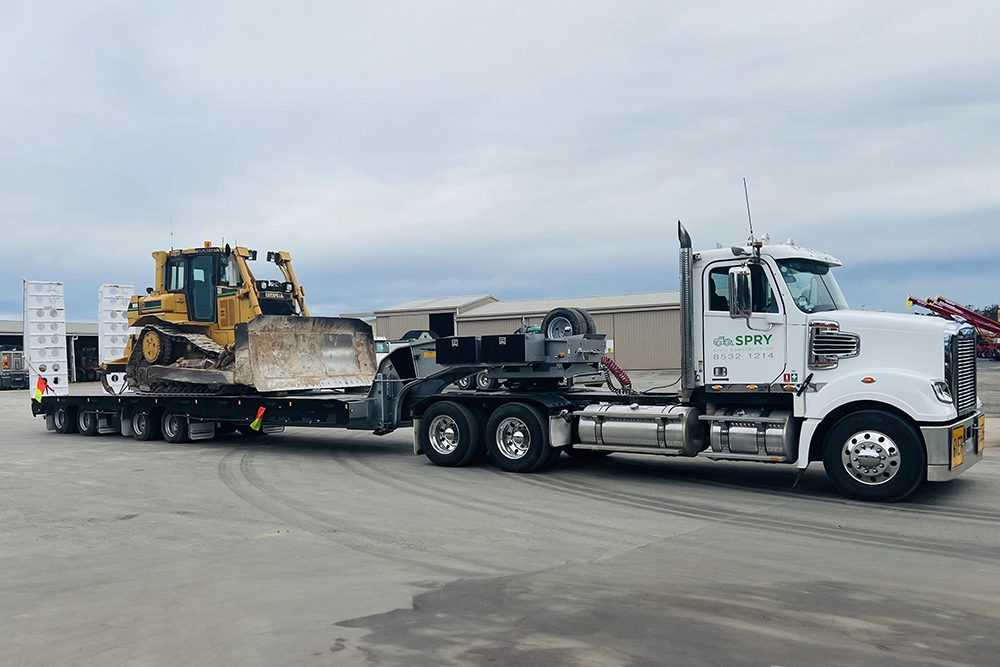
198	342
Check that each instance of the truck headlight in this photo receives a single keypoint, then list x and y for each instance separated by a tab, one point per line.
942	391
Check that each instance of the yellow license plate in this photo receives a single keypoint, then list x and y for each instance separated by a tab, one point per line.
981	440
957	446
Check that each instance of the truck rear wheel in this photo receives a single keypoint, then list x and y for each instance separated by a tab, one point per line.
144	427
174	427
450	434
875	456
86	422
63	421
517	438
468	382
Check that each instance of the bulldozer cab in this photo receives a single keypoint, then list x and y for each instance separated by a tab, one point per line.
200	279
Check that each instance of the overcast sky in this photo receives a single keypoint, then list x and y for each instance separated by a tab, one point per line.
536	149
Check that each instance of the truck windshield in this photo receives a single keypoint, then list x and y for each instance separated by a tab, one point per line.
813	287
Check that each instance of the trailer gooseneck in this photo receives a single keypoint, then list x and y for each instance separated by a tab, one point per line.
775	368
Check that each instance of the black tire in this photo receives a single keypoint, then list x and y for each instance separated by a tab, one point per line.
86	422
517	438
589	325
450	434
145	426
556	320
485	383
875	456
468	382
585	455
65	421
174	427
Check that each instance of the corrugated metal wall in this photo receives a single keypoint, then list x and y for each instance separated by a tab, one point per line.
648	340
394	326
502	326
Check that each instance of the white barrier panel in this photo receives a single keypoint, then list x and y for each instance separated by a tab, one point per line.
45	335
113	329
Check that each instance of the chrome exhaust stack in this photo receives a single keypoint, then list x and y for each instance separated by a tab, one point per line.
687	311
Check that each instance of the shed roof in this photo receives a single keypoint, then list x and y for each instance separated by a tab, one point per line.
441	303
596	304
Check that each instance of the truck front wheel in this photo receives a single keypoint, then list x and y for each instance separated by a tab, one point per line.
874	455
450	434
517	438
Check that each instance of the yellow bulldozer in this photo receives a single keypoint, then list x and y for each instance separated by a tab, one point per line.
208	325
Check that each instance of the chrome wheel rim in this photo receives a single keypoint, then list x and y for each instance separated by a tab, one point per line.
557	327
140	422
59	418
871	457
443	434
483	381
85	422
513	438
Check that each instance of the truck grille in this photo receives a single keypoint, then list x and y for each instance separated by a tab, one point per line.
828	345
963	371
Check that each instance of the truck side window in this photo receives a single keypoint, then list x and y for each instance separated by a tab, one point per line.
718	289
764	299
175	275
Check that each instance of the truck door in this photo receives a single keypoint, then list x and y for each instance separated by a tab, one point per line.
743	351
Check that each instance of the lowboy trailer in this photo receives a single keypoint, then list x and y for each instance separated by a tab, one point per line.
775	369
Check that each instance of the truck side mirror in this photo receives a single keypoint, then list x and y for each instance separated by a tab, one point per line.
740	292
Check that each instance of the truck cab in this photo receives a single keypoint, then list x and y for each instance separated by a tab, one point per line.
775	353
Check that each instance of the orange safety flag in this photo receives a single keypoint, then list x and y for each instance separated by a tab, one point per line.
40	388
255	424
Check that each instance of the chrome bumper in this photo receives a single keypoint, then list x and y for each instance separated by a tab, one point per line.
943	463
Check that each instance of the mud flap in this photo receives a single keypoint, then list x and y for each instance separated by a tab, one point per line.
275	353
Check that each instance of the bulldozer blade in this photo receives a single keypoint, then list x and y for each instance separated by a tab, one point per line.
302	353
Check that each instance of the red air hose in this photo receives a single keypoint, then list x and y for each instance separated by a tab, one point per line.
611	368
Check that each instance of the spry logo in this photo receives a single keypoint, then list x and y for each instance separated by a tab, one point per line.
723	341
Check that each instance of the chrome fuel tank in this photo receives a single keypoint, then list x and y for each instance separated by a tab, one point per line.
673	429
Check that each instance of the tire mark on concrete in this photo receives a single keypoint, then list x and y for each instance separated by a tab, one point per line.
966	552
236	472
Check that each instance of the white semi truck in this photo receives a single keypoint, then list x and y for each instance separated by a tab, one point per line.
775	369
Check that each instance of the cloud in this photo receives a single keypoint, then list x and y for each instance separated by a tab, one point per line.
404	150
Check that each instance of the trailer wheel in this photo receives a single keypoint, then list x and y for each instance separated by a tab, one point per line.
873	455
64	421
517	439
450	434
144	427
468	382
174	427
86	422
485	383
558	320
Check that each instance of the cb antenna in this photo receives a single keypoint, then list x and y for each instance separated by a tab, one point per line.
746	194
171	231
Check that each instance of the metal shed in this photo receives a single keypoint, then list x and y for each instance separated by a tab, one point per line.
438	314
